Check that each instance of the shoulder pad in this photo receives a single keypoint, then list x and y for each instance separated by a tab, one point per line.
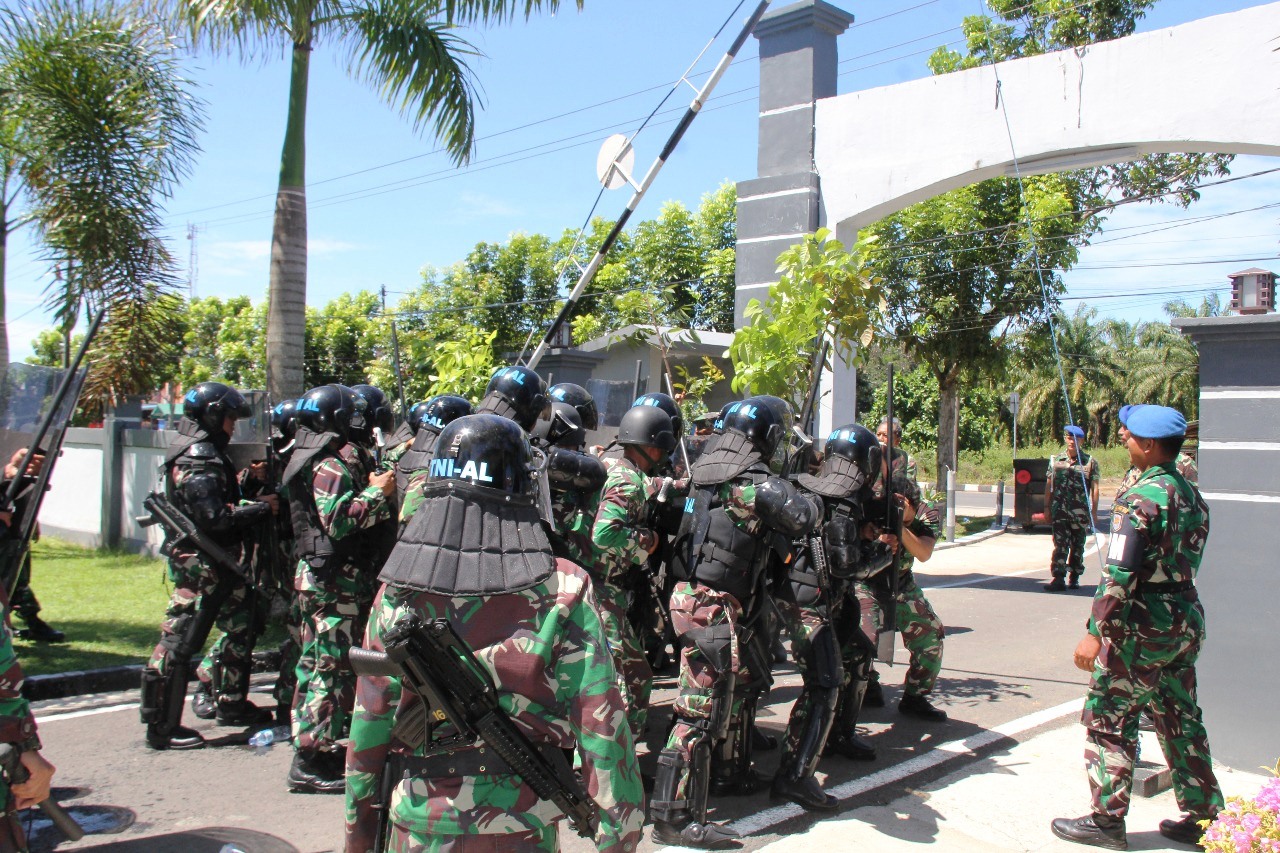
203	450
783	508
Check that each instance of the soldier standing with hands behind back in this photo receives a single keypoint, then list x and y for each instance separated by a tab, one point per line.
1071	509
1144	635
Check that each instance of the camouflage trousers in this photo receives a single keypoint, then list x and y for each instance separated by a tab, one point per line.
802	622
287	679
1131	675
1070	529
712	669
635	676
193	584
333	599
403	840
922	633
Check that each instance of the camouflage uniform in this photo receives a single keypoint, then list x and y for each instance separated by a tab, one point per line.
921	629
1149	618
329	591
17	725
546	650
574	519
1070	485
620	537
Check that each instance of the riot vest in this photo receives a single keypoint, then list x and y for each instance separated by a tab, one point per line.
209	487
720	554
309	537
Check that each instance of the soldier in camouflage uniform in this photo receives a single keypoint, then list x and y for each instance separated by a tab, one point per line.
330	502
201	481
921	629
574	479
1071	499
477	553
24	603
411	467
1144	635
17	727
624	539
740	516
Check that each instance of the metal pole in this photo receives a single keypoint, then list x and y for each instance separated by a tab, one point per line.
998	522
695	106
635	386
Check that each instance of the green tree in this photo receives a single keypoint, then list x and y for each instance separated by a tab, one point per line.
343	339
968	269
96	126
409	51
822	291
1091	365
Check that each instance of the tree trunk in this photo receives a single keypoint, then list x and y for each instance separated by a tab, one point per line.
4	321
287	297
948	424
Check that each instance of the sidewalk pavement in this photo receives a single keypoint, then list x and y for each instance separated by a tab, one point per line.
1003	800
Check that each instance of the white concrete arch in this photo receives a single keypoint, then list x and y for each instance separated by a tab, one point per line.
1209	85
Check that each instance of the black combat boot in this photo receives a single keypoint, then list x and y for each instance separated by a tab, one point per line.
1055	585
160	736
41	631
315	773
242	712
844	739
920	708
794	780
1185	830
850	745
1073	581
683	823
202	704
1096	830
874	697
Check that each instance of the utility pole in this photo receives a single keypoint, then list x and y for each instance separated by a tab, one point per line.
193	259
395	356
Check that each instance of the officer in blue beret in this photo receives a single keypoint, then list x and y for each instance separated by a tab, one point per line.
1071	501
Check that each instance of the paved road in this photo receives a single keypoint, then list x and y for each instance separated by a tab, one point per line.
1007	672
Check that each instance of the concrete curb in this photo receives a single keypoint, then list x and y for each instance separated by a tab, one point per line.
112	679
971	539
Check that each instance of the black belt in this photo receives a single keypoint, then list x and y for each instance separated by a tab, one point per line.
478	761
1167	587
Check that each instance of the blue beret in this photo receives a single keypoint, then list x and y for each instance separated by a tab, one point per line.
1125	411
1156	422
1072	429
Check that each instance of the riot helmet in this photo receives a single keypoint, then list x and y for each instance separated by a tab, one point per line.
668	405
284	424
329	408
440	411
414	417
517	393
485	450
647	426
563	429
851	460
209	403
761	420
580	398
376	413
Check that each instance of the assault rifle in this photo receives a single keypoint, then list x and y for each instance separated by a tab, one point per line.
433	661
16	772
180	530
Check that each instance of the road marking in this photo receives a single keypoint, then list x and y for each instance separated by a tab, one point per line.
90	712
968	747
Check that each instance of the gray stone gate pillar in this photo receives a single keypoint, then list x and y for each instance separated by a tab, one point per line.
1239	671
775	210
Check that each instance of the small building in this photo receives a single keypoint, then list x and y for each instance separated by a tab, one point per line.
1253	291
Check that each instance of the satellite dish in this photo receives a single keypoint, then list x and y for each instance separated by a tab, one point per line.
615	161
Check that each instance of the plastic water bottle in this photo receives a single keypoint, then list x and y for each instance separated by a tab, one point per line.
231	848
262	741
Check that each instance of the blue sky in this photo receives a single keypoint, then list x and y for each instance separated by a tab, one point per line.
384	202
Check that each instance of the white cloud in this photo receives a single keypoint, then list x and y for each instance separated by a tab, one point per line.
478	205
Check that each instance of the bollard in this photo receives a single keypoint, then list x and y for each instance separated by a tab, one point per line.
997	523
951	505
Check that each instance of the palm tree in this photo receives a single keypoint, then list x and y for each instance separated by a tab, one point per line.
97	126
407	49
1083	360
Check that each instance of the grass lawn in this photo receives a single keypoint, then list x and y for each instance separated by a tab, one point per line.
109	604
996	463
